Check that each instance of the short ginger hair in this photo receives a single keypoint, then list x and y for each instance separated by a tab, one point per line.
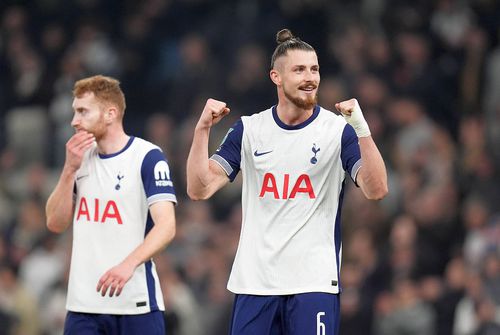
106	90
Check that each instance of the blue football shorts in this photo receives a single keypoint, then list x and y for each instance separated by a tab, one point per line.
152	323
313	313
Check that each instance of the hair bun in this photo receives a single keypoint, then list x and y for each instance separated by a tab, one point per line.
284	35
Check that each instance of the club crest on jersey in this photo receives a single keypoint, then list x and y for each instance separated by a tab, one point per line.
303	184
314	160
162	174
119	176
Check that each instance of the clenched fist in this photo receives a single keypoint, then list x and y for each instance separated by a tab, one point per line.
213	112
353	115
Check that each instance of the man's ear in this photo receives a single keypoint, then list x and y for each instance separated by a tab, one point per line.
110	114
275	77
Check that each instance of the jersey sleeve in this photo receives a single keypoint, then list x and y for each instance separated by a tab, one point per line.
228	155
156	178
350	153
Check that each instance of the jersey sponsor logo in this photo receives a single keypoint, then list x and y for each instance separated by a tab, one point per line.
94	214
301	185
257	153
82	176
162	174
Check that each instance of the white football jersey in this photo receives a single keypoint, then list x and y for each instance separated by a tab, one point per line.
293	182
112	199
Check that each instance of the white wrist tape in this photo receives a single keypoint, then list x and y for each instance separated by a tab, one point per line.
358	122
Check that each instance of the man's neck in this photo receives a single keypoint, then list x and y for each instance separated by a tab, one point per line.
292	115
112	142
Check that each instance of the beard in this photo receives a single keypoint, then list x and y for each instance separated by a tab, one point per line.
307	103
98	132
98	129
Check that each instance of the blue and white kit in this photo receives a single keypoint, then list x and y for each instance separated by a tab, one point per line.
112	198
293	184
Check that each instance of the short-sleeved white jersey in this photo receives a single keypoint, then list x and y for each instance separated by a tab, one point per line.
293	179
112	199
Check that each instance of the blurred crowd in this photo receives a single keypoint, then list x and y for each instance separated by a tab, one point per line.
425	260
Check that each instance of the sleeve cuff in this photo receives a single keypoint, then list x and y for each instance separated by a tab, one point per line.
223	164
355	170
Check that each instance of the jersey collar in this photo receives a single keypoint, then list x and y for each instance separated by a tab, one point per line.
129	143
297	126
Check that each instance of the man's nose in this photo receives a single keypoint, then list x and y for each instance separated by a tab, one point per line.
309	76
75	121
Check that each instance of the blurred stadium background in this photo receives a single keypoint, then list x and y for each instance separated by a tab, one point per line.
425	260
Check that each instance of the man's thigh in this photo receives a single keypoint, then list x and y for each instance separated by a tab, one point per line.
105	324
152	323
299	314
253	314
312	314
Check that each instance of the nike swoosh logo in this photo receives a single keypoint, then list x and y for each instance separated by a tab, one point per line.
82	176
257	154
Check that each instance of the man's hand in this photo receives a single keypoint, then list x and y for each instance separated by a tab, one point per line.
115	279
76	147
352	113
213	112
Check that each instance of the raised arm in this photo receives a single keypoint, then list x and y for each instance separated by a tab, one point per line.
59	208
372	175
163	231
204	176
